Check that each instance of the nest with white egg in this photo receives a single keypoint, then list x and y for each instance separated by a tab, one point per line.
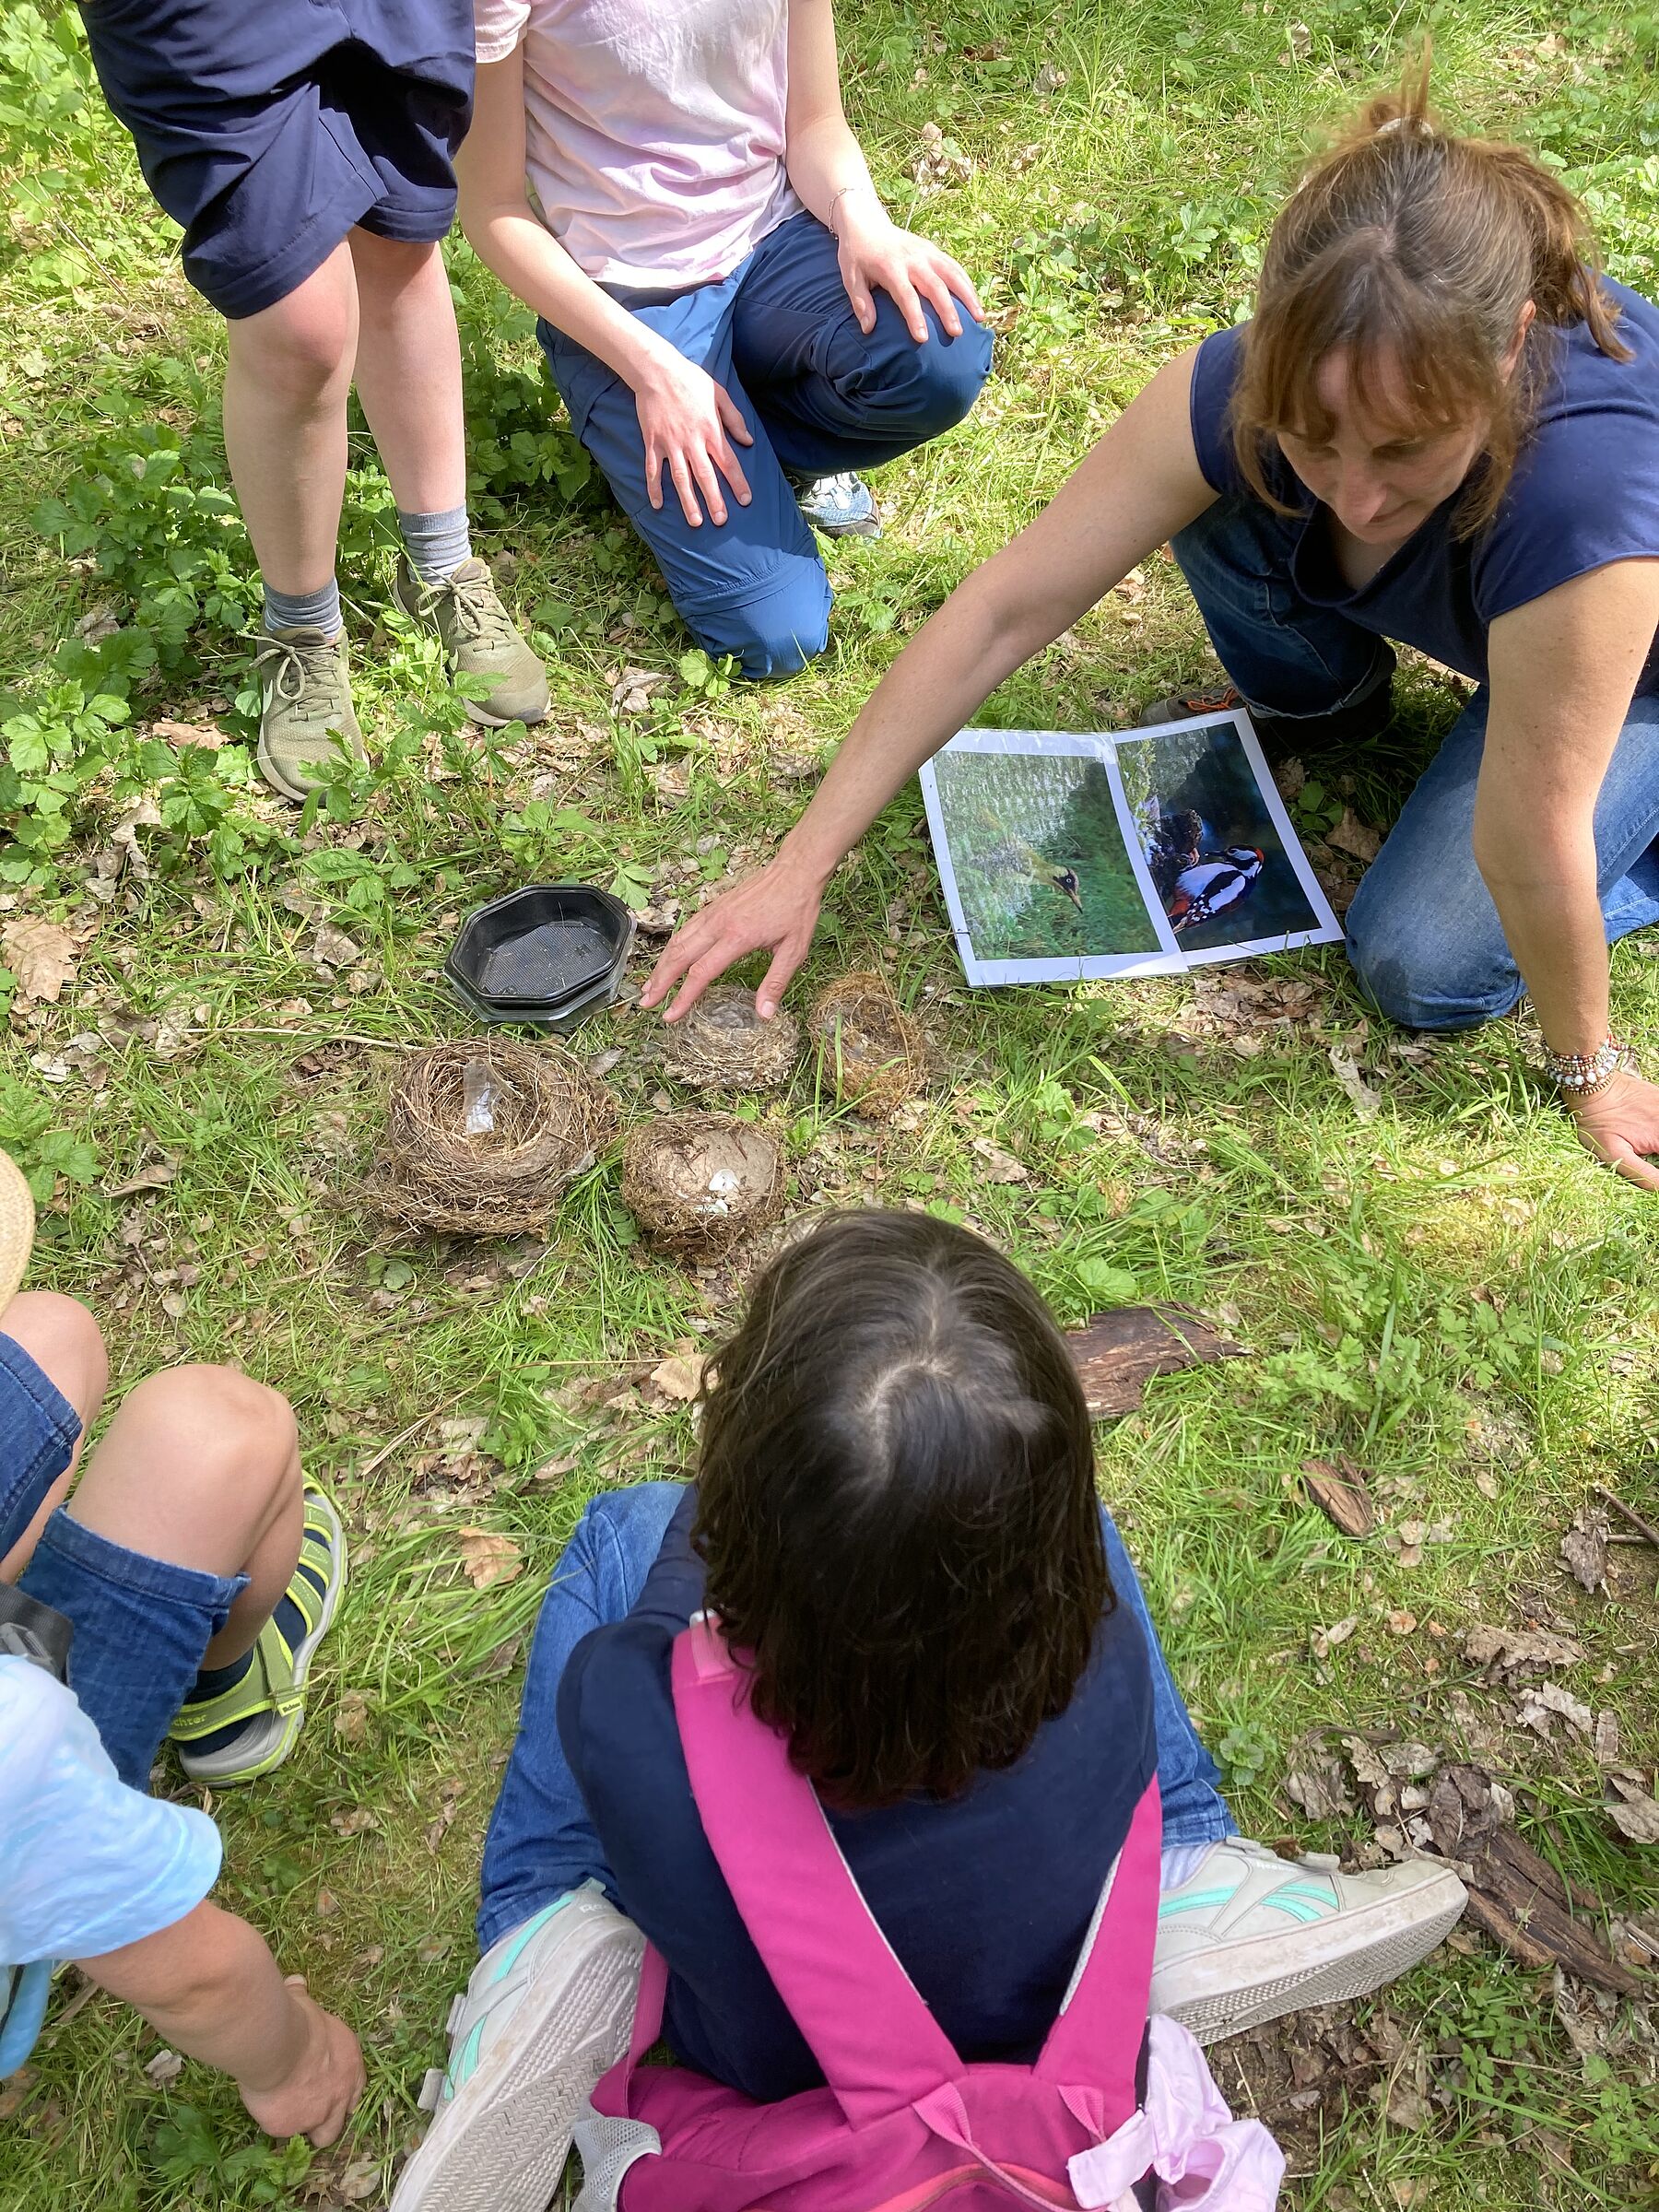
483	1134
699	1183
722	1044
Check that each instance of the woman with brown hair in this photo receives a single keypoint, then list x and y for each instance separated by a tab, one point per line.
1441	428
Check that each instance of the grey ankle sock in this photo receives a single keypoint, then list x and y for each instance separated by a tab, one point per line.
304	610
437	544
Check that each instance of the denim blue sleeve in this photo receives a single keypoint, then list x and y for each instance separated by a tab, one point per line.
89	1864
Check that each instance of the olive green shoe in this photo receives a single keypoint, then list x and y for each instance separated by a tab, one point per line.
479	639
237	1733
305	712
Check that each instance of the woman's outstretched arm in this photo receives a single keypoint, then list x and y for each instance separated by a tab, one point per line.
1136	490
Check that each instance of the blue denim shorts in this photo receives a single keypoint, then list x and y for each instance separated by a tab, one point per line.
141	1625
38	1428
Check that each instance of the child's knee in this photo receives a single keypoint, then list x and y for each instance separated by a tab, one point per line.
776	631
303	347
949	373
224	1422
62	1337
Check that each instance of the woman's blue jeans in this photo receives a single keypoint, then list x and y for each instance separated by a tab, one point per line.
541	1842
1423	934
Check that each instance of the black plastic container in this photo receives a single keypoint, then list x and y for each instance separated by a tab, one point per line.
545	956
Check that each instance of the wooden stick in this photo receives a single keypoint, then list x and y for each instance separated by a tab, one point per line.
1630	1512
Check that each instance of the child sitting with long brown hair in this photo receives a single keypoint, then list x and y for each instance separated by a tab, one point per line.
895	1522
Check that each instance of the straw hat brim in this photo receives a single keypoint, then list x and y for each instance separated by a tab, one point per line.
16	1227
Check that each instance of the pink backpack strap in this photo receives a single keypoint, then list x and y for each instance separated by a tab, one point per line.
1097	2038
878	2045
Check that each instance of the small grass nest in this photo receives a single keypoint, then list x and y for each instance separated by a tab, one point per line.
699	1183
722	1044
874	1054
549	1116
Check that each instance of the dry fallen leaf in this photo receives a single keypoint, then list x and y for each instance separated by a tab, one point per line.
1585	1548
332	948
351	1717
361	2180
165	2068
679	1376
155	1177
487	1558
1635	1815
1367	1101
188	733
41	954
1000	1166
1354	837
1520	1647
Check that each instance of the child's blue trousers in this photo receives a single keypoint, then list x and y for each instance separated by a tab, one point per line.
818	395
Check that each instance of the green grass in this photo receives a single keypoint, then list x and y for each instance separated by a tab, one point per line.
1451	1290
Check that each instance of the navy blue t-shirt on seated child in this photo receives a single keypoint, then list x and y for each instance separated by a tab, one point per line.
1585	492
986	1898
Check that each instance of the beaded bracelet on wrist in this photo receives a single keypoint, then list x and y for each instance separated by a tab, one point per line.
1582	1075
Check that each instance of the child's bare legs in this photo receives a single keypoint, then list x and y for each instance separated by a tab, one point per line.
62	1338
378	308
288	373
408	370
201	1467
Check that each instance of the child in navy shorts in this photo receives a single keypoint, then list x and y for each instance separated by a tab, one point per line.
305	146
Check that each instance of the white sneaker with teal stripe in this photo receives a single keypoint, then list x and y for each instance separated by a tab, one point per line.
548	2010
1249	1935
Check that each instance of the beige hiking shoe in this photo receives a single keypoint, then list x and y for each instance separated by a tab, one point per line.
478	638
306	707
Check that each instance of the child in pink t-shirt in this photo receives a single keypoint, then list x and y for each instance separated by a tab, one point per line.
733	321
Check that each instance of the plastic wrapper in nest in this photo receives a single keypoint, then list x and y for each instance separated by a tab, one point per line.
481	1136
699	1183
722	1044
873	1052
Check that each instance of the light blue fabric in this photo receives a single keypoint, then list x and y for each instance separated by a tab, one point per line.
87	1864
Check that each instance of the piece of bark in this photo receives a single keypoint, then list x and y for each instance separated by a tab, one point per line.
1516	1895
1117	1354
1340	1488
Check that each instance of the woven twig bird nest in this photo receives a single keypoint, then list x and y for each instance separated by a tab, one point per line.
697	1183
874	1054
547	1119
722	1044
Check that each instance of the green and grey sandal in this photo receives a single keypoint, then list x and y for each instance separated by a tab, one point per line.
240	1733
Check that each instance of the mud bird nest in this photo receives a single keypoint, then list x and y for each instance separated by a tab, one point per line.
699	1183
481	1136
873	1052
722	1044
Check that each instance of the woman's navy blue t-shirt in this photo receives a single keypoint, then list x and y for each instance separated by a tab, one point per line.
1585	492
986	1898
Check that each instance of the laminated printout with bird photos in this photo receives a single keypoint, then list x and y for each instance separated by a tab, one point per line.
1143	852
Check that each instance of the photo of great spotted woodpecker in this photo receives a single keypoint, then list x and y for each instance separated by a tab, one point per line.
1075	857
1224	864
